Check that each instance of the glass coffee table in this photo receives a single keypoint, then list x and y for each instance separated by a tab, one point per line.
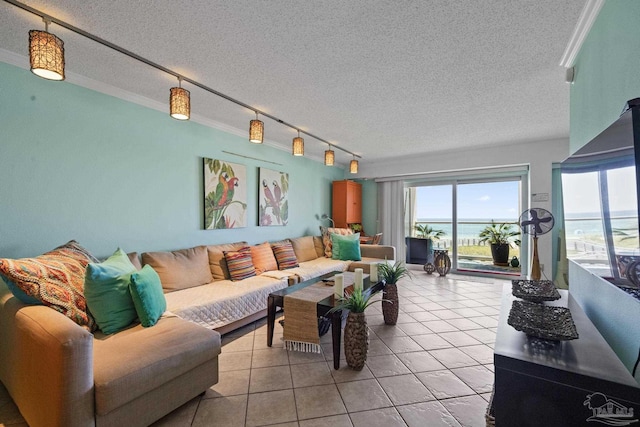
276	299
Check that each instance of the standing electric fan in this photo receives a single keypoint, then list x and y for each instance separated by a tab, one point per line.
536	222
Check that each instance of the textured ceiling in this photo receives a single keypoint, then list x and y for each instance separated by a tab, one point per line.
380	78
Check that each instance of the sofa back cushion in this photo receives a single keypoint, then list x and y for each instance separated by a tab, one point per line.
181	269
263	259
304	248
319	246
217	263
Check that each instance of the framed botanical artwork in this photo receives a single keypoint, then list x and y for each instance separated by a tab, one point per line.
273	197
225	195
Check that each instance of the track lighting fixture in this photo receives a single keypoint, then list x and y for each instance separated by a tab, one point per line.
298	145
179	102
256	130
353	166
329	157
46	54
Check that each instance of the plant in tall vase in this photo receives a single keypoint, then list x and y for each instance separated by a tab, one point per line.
356	333
390	274
500	236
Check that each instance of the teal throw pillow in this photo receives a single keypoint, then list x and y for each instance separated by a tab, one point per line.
106	289
148	298
346	248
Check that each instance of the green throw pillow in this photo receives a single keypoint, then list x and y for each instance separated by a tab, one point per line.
106	289
346	248
148	297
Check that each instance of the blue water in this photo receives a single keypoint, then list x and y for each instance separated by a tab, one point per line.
465	231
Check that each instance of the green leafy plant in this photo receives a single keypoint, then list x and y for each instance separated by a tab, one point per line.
391	273
499	234
356	302
424	231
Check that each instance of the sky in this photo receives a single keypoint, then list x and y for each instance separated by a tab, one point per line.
487	200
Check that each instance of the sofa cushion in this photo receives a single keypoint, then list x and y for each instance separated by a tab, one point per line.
319	245
135	260
263	259
106	289
147	295
180	269
285	256
346	248
240	264
55	278
326	237
304	248
217	263
137	360
223	302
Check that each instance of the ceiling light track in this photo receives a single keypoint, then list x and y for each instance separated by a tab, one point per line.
166	70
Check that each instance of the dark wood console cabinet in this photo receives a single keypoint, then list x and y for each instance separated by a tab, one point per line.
557	385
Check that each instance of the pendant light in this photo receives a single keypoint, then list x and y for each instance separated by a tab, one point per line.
353	166
329	157
179	102
298	145
46	54
256	130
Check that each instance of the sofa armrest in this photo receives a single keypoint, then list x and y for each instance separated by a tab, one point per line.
378	251
46	364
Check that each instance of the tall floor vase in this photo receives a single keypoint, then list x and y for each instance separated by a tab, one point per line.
356	340
390	303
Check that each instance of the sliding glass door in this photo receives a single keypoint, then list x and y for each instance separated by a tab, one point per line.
455	213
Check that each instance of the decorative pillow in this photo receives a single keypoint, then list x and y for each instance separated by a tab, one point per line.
55	278
263	259
284	255
106	289
217	263
304	248
346	248
326	237
17	292
240	264
148	298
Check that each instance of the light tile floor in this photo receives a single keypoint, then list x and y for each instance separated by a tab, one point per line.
434	368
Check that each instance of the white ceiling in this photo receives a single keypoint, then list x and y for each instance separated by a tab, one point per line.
379	78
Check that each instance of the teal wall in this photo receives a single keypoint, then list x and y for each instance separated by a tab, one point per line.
369	206
78	164
607	75
607	71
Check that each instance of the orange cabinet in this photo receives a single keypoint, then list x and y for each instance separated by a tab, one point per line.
347	203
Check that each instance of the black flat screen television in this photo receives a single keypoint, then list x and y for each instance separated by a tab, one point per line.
600	197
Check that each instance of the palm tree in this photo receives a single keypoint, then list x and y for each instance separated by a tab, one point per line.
426	232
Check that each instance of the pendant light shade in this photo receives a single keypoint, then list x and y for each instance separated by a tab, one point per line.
46	55
353	166
298	146
179	102
256	130
329	157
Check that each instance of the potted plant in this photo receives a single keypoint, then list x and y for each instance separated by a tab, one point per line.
500	236
390	274
420	248
356	333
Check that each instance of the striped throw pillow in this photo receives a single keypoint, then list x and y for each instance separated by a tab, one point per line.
285	256
240	264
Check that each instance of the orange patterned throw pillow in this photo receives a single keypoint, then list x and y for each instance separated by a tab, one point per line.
263	259
55	278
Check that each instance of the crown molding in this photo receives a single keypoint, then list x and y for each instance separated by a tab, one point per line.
583	26
22	61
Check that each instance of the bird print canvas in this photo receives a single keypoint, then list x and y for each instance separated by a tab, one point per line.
225	195
273	188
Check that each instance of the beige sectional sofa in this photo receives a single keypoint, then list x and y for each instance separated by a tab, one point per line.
59	374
